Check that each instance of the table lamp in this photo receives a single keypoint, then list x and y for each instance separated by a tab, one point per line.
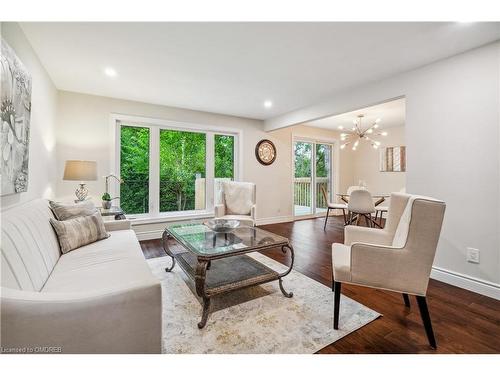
80	170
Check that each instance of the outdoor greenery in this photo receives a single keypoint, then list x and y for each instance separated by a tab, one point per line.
224	156
303	169
182	161
322	160
134	169
303	158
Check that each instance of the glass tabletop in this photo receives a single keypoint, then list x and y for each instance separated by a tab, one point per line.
201	240
373	195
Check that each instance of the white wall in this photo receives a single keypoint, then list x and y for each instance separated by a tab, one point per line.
366	164
42	169
83	132
452	135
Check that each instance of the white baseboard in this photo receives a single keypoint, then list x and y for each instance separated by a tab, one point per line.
273	220
473	284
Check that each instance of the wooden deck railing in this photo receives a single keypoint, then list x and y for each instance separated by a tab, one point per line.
303	191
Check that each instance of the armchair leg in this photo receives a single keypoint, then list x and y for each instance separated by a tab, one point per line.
336	304
406	299
326	217
345	217
426	319
333	279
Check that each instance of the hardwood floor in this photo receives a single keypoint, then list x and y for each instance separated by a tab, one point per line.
463	322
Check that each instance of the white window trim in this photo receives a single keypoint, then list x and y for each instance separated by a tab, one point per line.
155	124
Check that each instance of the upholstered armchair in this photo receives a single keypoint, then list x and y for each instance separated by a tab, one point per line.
237	202
397	258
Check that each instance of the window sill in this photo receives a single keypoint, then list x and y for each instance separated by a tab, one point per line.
168	217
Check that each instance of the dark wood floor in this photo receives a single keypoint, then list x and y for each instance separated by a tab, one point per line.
464	322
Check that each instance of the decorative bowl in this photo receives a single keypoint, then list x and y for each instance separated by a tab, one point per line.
222	225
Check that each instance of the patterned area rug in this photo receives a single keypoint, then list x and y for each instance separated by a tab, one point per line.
257	319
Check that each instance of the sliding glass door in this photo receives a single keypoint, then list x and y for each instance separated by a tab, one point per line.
323	175
302	187
312	185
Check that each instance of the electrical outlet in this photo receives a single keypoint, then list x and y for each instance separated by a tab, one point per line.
472	255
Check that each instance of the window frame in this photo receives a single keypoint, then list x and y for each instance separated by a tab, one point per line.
155	125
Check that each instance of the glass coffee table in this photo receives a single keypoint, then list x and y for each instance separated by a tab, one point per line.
217	262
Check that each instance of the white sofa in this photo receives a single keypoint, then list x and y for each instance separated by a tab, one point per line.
100	298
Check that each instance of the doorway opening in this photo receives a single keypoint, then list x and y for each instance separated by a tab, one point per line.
313	177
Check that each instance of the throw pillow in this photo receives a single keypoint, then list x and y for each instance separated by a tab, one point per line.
79	231
238	197
65	211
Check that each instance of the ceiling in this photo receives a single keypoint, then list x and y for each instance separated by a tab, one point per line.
390	113
232	68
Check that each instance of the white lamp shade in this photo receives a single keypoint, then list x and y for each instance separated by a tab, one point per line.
80	170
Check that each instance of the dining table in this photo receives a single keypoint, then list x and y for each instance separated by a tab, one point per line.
380	198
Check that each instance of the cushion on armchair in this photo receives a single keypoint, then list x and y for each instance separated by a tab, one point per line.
238	197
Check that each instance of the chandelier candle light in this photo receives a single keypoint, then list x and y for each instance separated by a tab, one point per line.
358	133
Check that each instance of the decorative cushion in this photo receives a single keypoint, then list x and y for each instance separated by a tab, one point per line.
65	211
238	197
79	231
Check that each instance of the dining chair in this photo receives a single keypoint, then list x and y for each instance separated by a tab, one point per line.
333	206
350	189
361	204
381	209
379	213
397	258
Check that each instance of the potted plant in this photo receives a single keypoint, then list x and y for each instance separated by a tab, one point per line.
106	201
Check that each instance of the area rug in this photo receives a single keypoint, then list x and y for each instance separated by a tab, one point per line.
257	319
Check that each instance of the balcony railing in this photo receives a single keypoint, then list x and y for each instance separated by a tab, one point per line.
302	191
135	194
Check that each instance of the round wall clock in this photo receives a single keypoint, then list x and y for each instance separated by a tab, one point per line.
265	152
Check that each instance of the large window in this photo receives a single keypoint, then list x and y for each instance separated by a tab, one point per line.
224	156
134	169
169	170
224	163
182	170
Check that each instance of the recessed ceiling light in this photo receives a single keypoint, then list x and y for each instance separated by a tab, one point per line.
268	104
110	72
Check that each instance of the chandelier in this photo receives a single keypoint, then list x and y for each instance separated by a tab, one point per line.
358	133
